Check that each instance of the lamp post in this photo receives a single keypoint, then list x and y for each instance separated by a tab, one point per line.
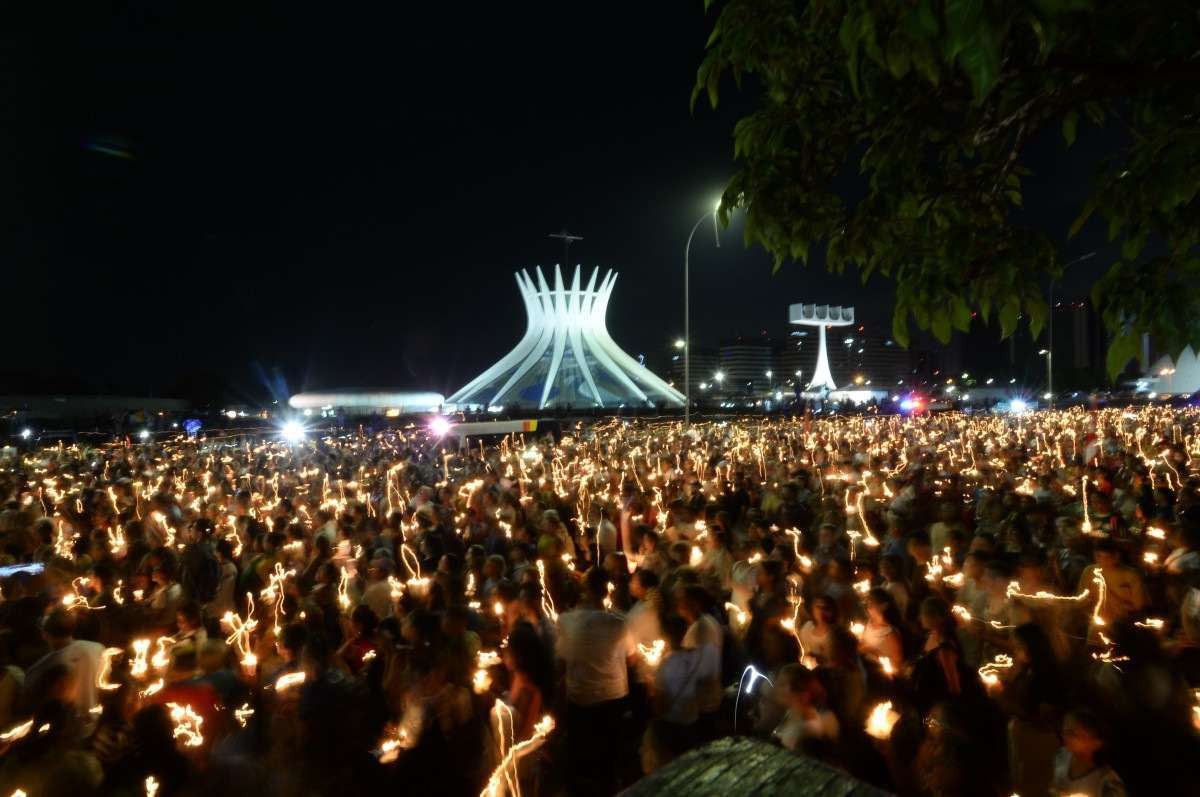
1049	355
687	309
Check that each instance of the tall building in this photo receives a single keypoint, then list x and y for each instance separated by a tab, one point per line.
860	355
1079	349
745	365
703	365
795	358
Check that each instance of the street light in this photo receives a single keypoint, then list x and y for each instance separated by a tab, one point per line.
679	344
687	309
1049	355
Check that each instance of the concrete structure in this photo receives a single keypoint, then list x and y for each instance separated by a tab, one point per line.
566	357
821	316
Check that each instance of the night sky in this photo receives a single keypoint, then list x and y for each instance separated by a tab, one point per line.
200	202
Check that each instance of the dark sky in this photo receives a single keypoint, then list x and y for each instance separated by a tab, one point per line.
198	197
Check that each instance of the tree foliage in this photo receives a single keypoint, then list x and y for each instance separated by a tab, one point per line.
926	107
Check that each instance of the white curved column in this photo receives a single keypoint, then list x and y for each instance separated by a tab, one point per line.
535	323
578	310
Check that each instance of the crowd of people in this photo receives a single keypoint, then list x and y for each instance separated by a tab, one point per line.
941	605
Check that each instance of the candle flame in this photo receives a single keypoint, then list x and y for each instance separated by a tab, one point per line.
881	721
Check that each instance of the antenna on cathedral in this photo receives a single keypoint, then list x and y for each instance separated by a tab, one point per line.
567	239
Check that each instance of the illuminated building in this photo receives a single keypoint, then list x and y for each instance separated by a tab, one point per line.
567	357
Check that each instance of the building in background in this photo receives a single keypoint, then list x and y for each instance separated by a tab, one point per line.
704	364
747	366
1079	346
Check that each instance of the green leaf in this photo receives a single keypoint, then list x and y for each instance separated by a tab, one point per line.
961	314
924	59
897	54
963	18
1133	245
1082	218
1008	316
985	306
1036	308
848	36
926	20
900	326
1121	350
940	326
1114	227
1069	125
713	84
1051	8
980	60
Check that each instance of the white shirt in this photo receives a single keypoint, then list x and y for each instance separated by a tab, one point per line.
704	636
1099	782
643	623
676	683
594	644
82	658
606	536
378	596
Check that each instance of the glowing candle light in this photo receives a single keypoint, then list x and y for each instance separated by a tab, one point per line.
989	672
547	601
287	681
151	690
738	617
881	721
505	778
187	724
102	675
1086	526
139	666
652	654
243	714
19	731
343	590
481	682
162	658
